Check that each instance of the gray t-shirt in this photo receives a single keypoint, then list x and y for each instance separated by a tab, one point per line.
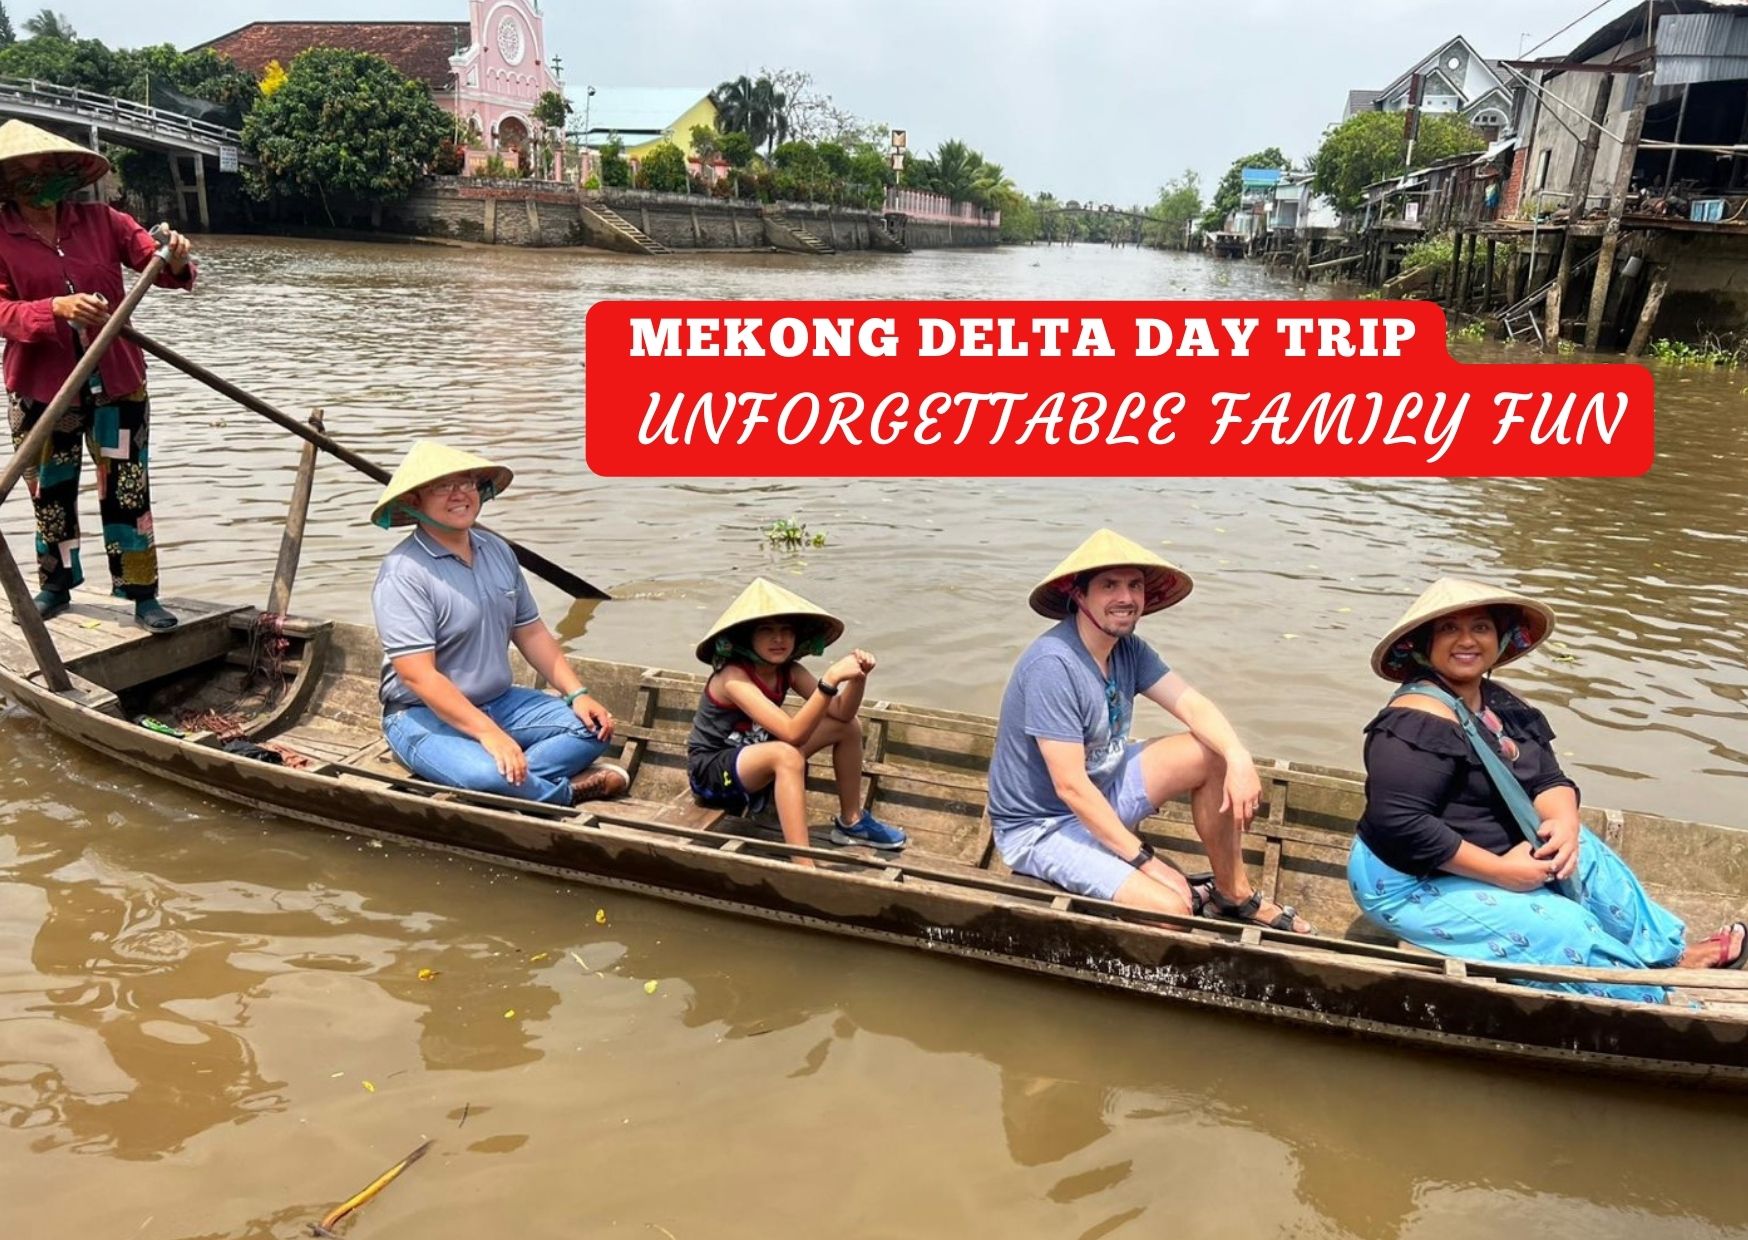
425	598
1057	693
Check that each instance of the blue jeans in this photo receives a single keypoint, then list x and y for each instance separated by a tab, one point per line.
556	743
1617	927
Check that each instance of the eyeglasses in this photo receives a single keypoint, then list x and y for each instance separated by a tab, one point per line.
453	486
1507	746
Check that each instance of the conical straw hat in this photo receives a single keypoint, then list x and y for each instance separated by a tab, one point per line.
20	138
428	461
766	600
1393	658
1166	582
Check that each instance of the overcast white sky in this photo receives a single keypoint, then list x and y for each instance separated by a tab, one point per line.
1100	101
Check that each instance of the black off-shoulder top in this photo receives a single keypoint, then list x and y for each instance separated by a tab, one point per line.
1427	792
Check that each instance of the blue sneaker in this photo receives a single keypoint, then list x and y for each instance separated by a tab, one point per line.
868	830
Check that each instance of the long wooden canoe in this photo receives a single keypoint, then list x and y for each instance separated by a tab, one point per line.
948	892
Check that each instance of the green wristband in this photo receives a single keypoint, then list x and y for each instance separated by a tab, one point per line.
574	694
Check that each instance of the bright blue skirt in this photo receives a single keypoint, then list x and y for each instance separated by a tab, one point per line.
1615	926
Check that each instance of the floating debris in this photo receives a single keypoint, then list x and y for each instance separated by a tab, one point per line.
369	1088
426	975
600	917
537	957
361	1197
510	1015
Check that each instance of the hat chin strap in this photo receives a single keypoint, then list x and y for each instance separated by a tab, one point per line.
406	509
1077	601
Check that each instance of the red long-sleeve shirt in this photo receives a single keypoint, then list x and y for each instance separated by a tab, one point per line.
95	241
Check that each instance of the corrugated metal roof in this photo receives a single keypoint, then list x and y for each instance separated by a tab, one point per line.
1701	47
640	111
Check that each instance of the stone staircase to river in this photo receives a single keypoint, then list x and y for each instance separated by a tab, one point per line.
786	234
617	232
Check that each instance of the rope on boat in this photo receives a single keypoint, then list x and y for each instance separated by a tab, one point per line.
268	647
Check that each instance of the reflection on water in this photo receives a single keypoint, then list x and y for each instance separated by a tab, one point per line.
192	999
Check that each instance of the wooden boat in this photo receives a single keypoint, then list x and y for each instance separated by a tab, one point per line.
309	687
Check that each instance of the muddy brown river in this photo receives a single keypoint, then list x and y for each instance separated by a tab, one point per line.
219	1024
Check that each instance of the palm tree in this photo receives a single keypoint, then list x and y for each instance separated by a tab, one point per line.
956	170
757	109
49	24
734	106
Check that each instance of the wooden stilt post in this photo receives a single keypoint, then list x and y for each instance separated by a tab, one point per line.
291	543
1580	190
1617	205
1465	277
36	629
1487	278
1648	316
1456	269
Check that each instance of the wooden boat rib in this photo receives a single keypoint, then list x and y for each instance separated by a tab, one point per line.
948	892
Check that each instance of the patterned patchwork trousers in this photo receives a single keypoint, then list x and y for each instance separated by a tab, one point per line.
115	433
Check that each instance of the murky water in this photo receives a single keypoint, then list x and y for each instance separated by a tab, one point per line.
193	999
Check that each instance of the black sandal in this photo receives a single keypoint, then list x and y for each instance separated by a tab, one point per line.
1246	911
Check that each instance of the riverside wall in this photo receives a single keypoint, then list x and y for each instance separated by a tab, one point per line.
547	213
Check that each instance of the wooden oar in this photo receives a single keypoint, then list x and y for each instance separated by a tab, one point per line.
533	561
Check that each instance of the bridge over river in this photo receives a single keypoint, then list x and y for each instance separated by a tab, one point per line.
93	118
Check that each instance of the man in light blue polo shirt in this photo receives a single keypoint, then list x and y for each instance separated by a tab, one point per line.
450	600
1068	789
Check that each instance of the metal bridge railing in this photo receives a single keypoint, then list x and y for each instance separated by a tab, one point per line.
120	113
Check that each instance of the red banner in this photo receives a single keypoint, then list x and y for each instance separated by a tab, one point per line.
1075	388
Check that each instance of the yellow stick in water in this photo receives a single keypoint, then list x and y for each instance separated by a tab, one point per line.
365	1194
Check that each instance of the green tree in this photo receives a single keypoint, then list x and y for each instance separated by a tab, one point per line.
1231	188
552	109
84	64
7	37
615	168
1179	203
1369	146
758	109
738	148
345	125
706	143
664	170
48	24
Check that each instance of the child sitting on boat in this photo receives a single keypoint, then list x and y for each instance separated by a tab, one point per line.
745	751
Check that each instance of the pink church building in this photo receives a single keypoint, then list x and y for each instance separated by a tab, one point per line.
488	72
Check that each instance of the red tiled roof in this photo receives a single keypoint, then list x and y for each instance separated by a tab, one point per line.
421	50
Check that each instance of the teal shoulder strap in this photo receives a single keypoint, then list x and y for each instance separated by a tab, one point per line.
1518	801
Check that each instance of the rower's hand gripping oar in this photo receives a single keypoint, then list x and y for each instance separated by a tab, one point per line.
29	450
531	560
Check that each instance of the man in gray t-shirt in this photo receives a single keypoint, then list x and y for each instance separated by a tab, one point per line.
1068	789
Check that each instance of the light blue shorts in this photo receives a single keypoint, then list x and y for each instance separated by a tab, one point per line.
1063	852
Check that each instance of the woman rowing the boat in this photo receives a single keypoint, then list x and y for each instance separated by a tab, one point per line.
60	271
1470	844
450	600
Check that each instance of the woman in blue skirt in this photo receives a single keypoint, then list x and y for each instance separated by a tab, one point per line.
1440	859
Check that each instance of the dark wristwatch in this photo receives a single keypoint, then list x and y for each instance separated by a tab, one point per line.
1142	856
826	687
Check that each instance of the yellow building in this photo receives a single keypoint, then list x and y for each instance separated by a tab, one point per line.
643	117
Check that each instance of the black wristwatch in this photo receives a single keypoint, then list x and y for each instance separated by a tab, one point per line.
1142	856
826	687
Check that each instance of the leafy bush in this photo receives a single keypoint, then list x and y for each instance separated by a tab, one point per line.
664	170
615	168
450	160
1435	252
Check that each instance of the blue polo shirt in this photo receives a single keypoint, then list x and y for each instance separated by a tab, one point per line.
426	598
1057	693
